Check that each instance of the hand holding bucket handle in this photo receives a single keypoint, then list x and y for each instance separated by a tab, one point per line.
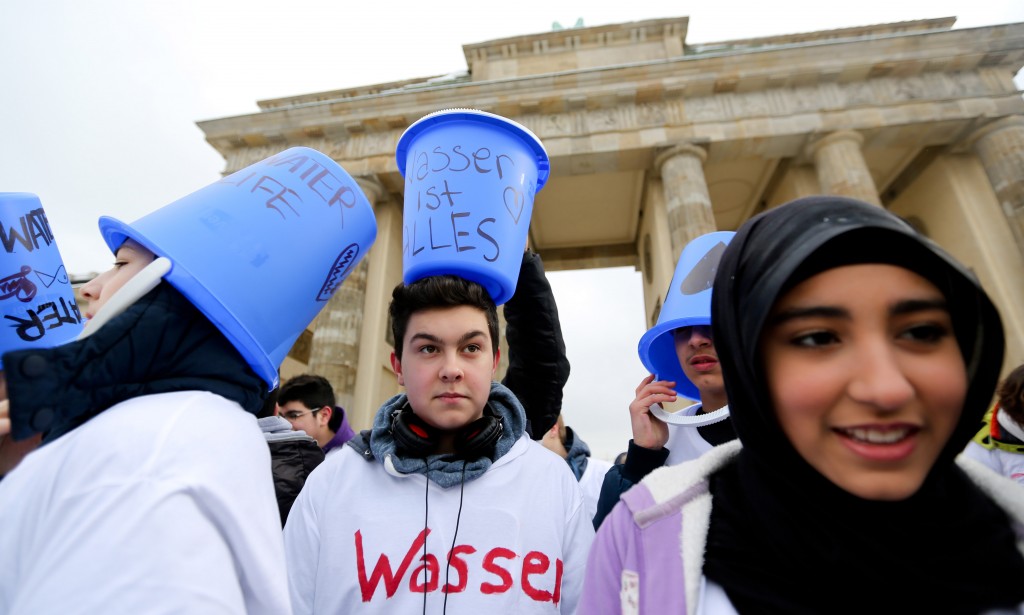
697	420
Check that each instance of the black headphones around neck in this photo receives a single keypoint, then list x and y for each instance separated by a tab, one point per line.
415	437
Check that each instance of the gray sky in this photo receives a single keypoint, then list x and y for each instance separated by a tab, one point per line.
99	100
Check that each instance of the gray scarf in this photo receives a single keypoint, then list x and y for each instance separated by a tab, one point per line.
445	470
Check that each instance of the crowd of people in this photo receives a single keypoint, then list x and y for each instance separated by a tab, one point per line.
838	362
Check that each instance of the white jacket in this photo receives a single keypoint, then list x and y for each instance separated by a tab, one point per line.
160	504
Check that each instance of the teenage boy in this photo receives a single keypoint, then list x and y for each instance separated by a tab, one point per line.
693	368
307	402
444	505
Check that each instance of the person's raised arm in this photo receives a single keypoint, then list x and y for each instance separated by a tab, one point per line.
538	367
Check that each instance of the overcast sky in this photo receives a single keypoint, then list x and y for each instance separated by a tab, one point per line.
99	101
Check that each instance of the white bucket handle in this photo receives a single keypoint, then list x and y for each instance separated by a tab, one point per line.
133	290
697	420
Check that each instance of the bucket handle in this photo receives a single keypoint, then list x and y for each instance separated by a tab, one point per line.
143	282
700	420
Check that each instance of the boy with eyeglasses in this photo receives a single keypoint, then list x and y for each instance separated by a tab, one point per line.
307	402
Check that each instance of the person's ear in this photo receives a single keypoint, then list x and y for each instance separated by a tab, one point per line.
325	415
396	364
497	357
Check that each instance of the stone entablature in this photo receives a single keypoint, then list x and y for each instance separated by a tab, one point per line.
751	117
669	34
951	65
916	26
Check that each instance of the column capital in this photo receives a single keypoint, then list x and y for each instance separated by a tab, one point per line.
835	137
680	149
371	187
1010	121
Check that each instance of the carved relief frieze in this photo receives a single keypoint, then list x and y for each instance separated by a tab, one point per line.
721	107
653	114
754	104
830	96
703	109
558	125
369	144
604	120
910	88
241	158
962	84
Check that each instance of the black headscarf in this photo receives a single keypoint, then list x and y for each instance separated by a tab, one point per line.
159	344
783	538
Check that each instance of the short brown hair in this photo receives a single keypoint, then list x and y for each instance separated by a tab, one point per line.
440	291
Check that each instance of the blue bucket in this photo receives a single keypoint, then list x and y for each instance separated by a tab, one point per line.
687	304
470	181
36	299
261	251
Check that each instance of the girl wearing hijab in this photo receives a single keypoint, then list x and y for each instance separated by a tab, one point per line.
859	359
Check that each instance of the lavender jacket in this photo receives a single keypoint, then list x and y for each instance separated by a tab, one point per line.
648	556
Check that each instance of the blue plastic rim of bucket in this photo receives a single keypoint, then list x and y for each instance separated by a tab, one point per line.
37	302
261	251
470	181
687	304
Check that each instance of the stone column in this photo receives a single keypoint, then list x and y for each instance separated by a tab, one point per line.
687	201
375	381
335	351
1000	146
841	168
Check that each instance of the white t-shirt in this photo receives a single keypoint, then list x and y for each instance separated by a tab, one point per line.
354	538
161	504
590	484
684	441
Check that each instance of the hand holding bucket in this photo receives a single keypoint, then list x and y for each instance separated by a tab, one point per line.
470	181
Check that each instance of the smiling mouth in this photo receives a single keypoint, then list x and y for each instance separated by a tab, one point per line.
875	435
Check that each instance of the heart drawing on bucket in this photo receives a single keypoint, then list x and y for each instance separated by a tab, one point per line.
515	208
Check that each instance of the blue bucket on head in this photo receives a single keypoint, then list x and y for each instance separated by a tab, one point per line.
687	304
37	302
470	181
261	251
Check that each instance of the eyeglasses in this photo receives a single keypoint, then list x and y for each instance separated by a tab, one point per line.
294	415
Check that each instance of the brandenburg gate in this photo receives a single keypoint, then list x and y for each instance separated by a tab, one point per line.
654	141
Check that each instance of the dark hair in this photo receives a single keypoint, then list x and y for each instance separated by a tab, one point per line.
1011	395
268	405
314	392
441	291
